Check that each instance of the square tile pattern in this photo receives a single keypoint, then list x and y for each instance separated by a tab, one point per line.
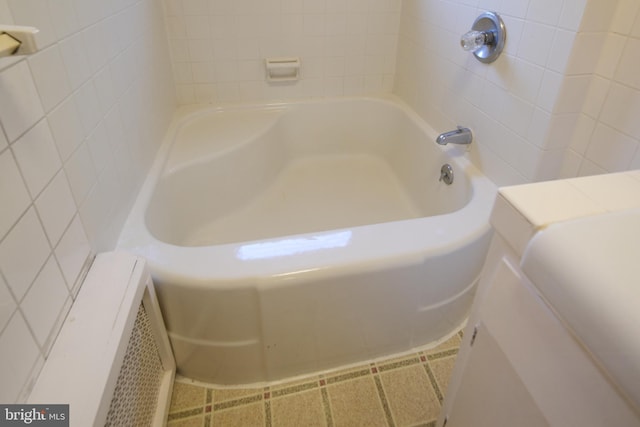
402	391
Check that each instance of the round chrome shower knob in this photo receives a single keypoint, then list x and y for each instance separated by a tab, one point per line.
486	38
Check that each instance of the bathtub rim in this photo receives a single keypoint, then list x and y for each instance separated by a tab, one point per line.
394	243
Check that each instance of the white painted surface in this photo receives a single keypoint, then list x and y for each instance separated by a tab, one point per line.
599	300
84	363
558	298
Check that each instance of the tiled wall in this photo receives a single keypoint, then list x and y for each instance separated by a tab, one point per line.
347	47
80	123
607	131
530	110
512	103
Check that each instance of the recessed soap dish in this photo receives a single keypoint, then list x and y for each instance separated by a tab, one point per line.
486	38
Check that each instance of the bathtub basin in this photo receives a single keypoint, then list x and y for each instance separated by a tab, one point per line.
287	239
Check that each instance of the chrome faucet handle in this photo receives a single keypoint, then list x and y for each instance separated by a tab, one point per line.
486	38
474	40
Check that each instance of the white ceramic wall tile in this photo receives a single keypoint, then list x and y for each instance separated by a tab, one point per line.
88	106
66	128
64	18
3	141
74	55
50	77
19	354
5	12
13	193
81	173
37	157
7	304
610	56
611	150
104	90
20	107
561	131
622	109
588	168
585	126
95	37
635	162
549	90
572	94
598	16
96	213
23	253
625	15
561	51
635	31
72	252
596	96
56	207
516	8
570	164
105	51
44	303
571	15
629	65
545	11
98	143
218	47
582	58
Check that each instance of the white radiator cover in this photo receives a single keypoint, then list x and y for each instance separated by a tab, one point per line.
114	319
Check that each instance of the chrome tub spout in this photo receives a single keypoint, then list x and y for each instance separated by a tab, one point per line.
459	136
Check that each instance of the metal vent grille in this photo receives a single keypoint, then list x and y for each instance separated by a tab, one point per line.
135	398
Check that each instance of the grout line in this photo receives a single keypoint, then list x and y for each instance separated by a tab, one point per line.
348	376
267	413
237	402
443	354
327	406
185	414
434	383
295	389
383	400
399	364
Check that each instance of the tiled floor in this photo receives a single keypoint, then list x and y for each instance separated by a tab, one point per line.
405	391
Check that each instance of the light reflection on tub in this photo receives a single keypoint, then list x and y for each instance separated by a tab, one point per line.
286	247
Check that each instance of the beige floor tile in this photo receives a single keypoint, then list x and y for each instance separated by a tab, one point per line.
187	422
223	395
356	403
442	369
410	396
301	409
242	416
186	396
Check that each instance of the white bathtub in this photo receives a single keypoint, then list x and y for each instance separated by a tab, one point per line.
293	238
